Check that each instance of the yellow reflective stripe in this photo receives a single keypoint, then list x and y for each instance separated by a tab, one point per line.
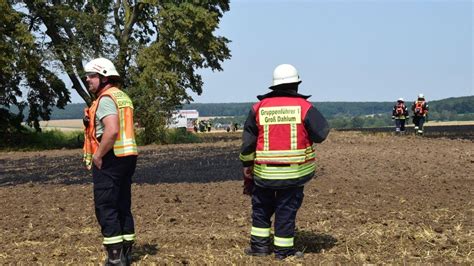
126	141
293	137
248	157
125	147
294	159
282	156
130	237
286	156
283	241
112	240
122	125
87	158
266	144
121	145
295	168
310	156
281	173
282	152
126	151
261	232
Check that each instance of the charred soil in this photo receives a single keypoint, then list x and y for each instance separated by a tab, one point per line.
377	198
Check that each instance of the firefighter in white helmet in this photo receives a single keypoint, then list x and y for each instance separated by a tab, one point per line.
420	113
278	159
111	152
400	115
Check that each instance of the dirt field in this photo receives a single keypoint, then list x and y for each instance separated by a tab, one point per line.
377	199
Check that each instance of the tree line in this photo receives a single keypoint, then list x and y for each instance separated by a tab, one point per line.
156	46
339	114
351	114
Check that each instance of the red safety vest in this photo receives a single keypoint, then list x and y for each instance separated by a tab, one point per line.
400	109
420	109
282	139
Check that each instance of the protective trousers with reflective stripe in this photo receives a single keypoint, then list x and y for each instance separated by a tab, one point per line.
284	203
112	197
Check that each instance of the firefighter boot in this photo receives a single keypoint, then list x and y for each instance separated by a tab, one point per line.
259	246
127	251
259	253
281	254
115	255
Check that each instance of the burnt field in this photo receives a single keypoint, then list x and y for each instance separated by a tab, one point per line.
461	131
377	198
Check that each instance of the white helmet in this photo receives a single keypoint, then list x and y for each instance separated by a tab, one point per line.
400	100
421	96
284	74
101	66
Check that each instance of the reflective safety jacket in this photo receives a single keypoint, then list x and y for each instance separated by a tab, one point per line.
400	111
125	144
278	140
420	108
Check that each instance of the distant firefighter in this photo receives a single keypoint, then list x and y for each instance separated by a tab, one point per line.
420	113
400	115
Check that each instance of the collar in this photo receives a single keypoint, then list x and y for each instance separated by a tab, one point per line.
283	93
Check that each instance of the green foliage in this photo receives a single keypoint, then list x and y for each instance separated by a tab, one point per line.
452	109
10	124
170	136
167	67
180	135
357	122
229	120
156	47
46	140
340	115
459	105
360	121
220	109
25	79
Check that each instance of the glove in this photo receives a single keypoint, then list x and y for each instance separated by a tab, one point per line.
248	186
248	180
393	117
86	120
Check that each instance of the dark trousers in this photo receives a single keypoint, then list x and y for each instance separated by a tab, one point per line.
400	124
112	196
284	203
419	121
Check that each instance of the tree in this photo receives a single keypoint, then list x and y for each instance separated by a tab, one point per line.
23	71
156	46
357	122
185	43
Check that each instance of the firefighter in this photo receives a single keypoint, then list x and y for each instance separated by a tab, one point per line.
278	154
111	152
420	113
400	115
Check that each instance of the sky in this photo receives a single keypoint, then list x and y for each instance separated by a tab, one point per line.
377	50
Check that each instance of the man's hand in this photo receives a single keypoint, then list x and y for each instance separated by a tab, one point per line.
97	161
248	172
248	182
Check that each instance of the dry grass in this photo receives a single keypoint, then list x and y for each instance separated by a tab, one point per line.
63	125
